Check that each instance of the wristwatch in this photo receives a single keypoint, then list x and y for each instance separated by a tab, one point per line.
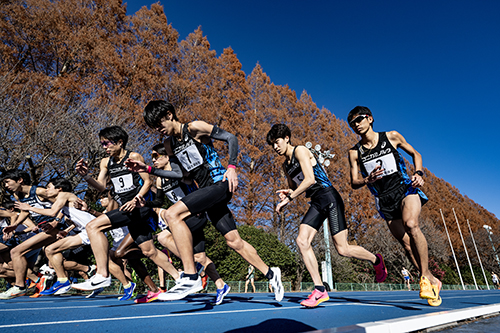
419	172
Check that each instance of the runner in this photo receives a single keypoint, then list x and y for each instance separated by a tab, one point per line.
250	278
306	175
127	185
495	280
192	145
406	277
175	190
18	184
398	196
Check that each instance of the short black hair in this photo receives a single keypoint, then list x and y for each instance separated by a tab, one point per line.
278	131
103	194
115	134
156	111
8	204
16	174
62	183
357	111
160	149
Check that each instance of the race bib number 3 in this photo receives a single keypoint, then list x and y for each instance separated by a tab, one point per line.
386	162
123	183
190	158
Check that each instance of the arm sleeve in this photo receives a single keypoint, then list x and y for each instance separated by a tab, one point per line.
158	201
175	173
219	134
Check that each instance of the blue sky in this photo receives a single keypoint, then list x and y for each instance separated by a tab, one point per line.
428	69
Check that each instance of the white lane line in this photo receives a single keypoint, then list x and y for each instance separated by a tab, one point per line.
419	322
168	315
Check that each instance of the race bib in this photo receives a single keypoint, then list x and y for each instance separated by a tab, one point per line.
123	183
190	157
386	162
175	195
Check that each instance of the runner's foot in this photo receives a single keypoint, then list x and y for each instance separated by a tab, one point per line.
315	298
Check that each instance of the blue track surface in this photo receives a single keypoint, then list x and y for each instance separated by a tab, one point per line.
239	312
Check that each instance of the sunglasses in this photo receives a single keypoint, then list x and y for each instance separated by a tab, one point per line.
106	143
155	156
358	119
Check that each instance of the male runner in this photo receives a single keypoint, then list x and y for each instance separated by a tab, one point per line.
175	190
306	175
18	183
406	277
191	144
398	196
127	185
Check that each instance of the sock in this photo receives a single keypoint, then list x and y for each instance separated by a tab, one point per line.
191	276
269	274
320	288
62	280
212	272
377	261
20	288
128	285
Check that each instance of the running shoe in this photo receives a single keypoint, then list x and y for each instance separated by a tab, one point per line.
55	287
221	293
426	290
183	287
276	284
94	293
95	282
150	297
204	281
380	269
128	292
315	298
13	292
65	289
199	267
437	288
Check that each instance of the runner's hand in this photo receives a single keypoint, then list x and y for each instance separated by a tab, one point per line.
284	199
417	181
136	166
82	168
128	206
232	177
376	174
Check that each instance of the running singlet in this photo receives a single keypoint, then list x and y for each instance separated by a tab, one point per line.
78	217
295	172
385	155
126	183
199	159
175	189
34	201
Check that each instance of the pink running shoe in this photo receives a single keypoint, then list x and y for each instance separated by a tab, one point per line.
380	269
315	299
150	297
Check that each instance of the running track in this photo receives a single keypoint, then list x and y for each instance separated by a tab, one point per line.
394	311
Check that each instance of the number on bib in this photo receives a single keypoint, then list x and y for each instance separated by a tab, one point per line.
190	157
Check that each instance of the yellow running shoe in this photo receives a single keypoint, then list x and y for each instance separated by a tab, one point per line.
426	290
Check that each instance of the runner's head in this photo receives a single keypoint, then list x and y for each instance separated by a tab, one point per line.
9	205
279	137
159	156
113	139
13	179
360	118
59	184
157	114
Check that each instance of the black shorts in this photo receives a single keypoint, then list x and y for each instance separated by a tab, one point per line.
389	204
141	222
81	254
213	199
196	224
326	204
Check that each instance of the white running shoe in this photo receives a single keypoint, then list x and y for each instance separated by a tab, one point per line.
276	283
94	293
183	287
95	282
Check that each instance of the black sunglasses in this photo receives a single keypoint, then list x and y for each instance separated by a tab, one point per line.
358	119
